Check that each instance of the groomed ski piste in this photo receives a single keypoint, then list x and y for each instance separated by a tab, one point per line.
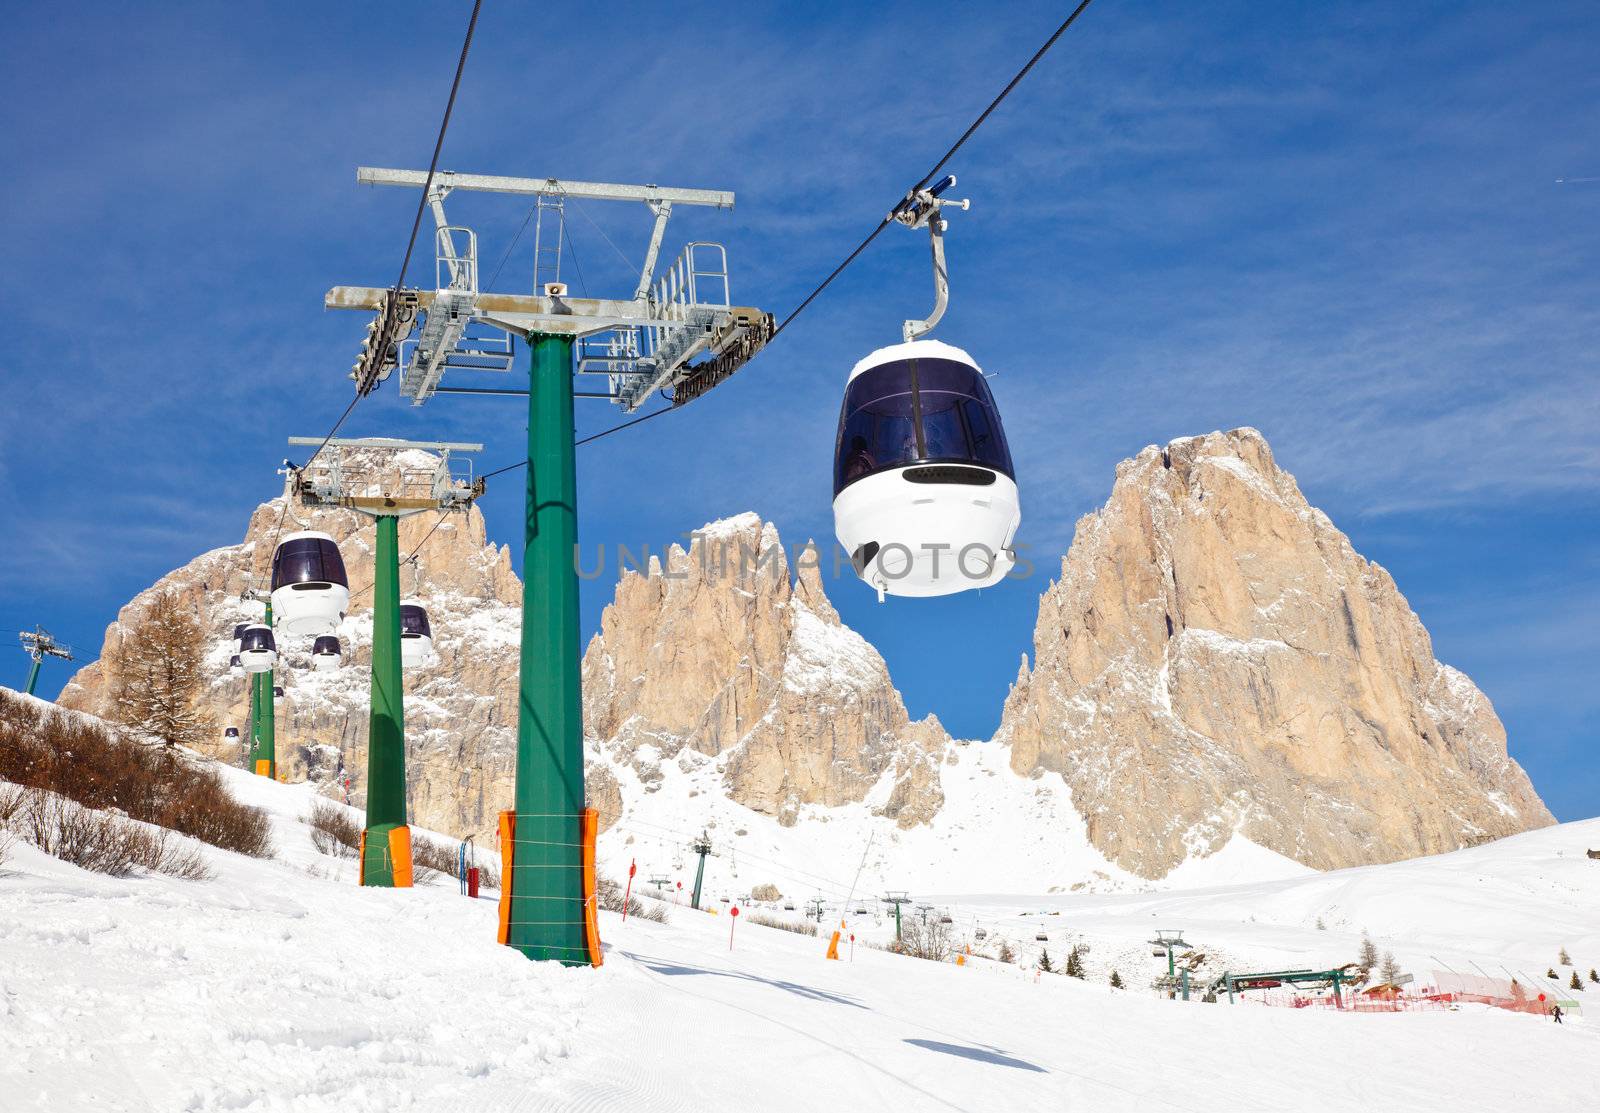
281	985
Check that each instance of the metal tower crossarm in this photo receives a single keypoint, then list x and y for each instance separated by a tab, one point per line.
684	315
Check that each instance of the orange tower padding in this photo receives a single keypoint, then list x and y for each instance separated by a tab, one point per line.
833	944
361	861
508	844
591	905
263	768
400	856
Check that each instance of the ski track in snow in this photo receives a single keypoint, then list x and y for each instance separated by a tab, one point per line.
281	986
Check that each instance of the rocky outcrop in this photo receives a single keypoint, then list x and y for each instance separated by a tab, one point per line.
1216	658
717	656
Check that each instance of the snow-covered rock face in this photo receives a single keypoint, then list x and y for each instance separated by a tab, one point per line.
1216	658
718	657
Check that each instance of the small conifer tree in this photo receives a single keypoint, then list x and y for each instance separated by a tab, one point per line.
1563	959
1116	980
1551	974
1074	963
1577	982
1006	953
1593	977
159	669
1369	954
1044	961
1389	970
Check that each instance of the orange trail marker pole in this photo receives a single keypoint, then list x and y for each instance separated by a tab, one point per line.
627	895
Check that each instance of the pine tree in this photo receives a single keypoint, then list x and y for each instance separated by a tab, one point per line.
1593	977
1044	961
1390	969
1116	980
1563	959
1006	953
1551	974
1074	963
1577	982
159	669
1369	954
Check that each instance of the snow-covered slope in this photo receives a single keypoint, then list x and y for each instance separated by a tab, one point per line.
282	986
996	832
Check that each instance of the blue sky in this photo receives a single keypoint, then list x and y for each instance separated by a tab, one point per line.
1338	222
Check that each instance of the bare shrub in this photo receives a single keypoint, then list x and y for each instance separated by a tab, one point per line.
104	842
767	891
610	895
782	923
932	940
57	752
334	831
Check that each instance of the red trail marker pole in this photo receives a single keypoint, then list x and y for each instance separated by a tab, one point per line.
627	894
733	913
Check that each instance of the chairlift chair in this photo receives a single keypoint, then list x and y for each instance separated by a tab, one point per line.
258	650
235	666
310	591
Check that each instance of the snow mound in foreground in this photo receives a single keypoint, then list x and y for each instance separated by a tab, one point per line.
283	986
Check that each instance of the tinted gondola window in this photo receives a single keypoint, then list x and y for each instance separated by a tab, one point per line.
414	622
878	427
258	639
303	560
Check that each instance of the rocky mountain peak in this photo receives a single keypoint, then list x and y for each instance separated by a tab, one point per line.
1216	659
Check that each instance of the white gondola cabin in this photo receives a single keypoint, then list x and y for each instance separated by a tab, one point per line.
924	494
310	591
231	735
277	693
325	652
235	666
238	635
258	650
416	636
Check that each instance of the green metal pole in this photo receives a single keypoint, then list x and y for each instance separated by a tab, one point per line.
386	746
699	876
897	937
1170	970
252	737
546	914
33	677
267	754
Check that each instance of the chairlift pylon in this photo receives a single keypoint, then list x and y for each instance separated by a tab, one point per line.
310	591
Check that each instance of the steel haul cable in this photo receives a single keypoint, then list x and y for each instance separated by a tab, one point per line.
882	224
416	223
